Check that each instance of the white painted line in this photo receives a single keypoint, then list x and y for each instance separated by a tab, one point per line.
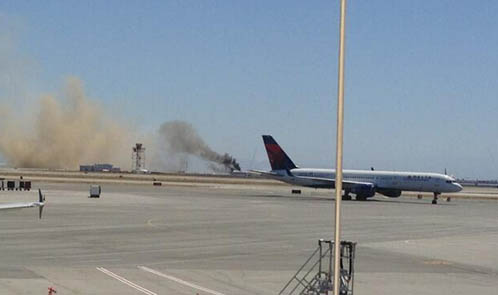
125	281
180	281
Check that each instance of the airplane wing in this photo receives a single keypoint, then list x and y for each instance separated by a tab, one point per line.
266	173
346	184
40	204
18	205
323	182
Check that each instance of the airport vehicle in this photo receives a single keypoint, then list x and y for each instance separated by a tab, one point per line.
40	204
95	191
362	183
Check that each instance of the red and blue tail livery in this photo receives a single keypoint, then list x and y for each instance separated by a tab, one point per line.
278	158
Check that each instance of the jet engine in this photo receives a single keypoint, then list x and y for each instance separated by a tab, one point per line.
391	193
363	192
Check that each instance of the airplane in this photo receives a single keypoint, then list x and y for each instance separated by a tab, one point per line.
362	183
40	204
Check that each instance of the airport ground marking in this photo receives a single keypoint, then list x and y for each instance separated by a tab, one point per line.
125	281
180	281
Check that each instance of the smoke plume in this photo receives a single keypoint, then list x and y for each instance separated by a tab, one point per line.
70	129
65	132
179	137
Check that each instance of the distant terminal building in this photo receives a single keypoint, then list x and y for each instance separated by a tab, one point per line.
99	168
477	182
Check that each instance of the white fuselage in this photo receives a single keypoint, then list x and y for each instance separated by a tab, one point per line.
387	180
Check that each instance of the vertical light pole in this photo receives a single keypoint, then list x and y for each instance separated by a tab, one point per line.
338	170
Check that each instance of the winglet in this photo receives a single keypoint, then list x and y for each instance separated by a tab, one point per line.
41	199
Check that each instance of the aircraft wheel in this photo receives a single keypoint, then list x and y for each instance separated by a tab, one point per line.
346	198
434	201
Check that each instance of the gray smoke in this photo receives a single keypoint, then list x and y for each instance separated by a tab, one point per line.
180	137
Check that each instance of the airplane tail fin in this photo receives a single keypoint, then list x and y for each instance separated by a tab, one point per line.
278	158
41	199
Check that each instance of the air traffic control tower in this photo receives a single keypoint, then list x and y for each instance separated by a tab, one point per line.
138	158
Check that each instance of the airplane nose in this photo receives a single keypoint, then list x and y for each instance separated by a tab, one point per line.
458	187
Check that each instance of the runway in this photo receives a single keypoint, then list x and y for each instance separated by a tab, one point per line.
239	239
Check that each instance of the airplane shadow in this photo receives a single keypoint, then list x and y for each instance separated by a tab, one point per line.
402	201
329	199
294	198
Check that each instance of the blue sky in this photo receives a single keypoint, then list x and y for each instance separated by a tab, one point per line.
421	91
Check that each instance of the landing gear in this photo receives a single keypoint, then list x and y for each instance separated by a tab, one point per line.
361	198
346	196
436	195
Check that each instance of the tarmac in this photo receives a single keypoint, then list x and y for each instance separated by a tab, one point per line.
240	239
